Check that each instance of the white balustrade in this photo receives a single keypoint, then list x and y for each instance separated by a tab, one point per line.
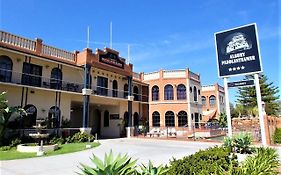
17	41
55	52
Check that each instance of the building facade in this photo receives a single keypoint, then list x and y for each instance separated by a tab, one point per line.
174	99
86	89
213	102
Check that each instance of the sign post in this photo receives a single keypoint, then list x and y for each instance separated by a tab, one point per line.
227	107
238	54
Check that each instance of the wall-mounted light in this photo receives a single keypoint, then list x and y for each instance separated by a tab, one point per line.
18	60
47	66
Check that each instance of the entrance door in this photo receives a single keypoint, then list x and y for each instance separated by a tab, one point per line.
96	122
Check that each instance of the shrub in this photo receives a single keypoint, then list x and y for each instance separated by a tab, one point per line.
152	170
5	148
277	136
239	143
80	137
57	140
202	162
264	162
121	165
15	142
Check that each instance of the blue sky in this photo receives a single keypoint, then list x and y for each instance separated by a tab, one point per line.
162	33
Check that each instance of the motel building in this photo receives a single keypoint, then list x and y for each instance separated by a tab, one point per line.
98	92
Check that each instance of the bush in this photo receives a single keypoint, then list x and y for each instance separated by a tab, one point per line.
150	169
121	165
5	148
57	140
277	136
15	142
207	161
264	162
239	143
80	137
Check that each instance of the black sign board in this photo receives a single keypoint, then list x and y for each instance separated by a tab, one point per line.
114	116
241	83
111	59
238	51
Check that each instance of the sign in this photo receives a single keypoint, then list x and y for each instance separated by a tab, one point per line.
241	83
114	116
111	59
238	51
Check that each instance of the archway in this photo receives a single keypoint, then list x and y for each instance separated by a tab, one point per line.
29	120
54	117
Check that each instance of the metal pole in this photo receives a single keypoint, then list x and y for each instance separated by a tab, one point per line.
227	106
258	92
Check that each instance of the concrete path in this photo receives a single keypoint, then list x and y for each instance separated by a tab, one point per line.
158	151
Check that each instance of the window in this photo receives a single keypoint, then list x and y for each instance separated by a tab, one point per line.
169	119
136	119
114	88
203	98
31	74
6	67
126	119
182	118
53	117
181	92
195	93
126	91
56	78
212	100
155	119
168	92
106	119
190	89
136	93
102	86
155	93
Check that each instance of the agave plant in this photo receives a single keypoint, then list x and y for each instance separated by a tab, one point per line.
152	170
121	165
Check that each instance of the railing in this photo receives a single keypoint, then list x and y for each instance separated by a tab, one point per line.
17	41
193	75
136	75
8	76
174	74
55	52
38	81
115	93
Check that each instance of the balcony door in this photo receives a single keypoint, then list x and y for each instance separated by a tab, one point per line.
102	87
32	74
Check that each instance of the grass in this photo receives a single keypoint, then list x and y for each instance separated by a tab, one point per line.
63	149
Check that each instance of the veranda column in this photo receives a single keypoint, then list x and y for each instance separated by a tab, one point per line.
130	129
86	91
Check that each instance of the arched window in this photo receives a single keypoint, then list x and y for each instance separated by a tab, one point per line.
56	78
114	88
168	92
203	99
155	93
181	92
30	119
136	119
126	91
6	67
136	93
195	93
106	119
155	119
169	119
53	117
212	100
182	118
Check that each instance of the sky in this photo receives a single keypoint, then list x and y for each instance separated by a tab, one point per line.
162	34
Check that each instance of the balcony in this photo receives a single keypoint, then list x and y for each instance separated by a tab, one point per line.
19	78
23	79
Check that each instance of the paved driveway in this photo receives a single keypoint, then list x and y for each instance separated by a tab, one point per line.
159	151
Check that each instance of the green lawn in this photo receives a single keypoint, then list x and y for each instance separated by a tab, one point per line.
63	149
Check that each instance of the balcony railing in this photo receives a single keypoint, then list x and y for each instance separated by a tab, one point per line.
17	41
58	53
19	78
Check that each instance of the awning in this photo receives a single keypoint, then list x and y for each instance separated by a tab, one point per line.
208	115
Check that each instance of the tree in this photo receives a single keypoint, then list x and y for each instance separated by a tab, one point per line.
247	96
5	114
223	120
